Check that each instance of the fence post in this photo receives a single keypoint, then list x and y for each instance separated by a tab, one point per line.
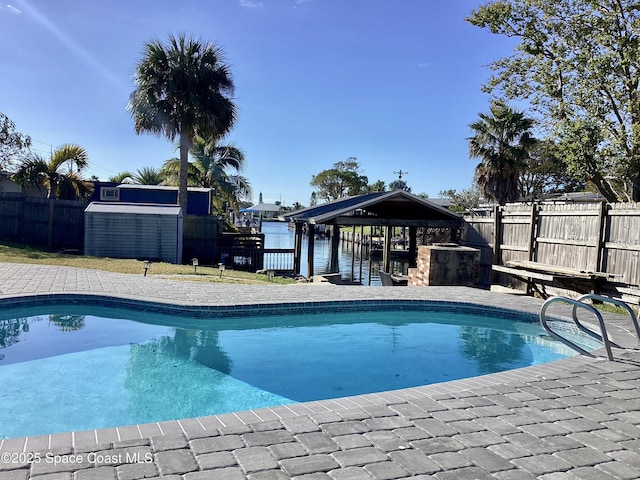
497	228
602	233
533	222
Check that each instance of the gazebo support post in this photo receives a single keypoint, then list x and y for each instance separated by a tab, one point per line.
311	232
353	252
369	250
413	247
297	248
386	257
335	243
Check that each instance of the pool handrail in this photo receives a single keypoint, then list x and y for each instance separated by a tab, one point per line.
603	337
613	301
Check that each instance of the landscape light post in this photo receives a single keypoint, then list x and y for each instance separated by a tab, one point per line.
147	265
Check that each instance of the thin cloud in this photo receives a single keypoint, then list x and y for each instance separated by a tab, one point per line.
10	9
424	64
250	4
71	45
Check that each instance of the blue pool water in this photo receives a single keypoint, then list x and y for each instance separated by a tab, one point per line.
69	370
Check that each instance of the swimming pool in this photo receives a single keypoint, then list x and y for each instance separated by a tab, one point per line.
73	367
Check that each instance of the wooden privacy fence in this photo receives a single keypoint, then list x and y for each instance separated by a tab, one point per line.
594	237
200	238
27	219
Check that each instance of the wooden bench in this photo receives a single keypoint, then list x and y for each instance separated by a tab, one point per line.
584	281
526	275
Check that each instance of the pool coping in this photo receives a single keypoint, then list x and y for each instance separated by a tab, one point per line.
324	412
249	309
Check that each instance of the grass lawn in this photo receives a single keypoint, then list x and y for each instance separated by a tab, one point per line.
16	253
609	308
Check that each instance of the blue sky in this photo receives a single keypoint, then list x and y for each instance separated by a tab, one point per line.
393	83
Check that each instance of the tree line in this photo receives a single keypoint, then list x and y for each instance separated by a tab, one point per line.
345	179
576	63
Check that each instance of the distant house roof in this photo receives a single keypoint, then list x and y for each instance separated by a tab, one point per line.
7	185
262	207
443	202
574	197
382	208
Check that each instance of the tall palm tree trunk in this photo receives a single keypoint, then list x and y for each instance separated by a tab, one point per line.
185	145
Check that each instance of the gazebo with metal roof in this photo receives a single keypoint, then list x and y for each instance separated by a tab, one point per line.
382	209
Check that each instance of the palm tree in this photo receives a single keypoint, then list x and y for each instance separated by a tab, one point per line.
60	183
233	191
501	140
182	90
143	176
148	176
209	169
122	177
68	323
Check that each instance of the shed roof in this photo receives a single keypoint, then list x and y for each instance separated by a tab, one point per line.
382	208
134	208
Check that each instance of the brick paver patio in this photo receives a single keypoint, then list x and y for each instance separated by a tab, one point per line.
577	418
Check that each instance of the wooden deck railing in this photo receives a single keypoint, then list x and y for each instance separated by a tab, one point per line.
279	259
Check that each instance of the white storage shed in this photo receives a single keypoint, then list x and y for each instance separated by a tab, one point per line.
133	230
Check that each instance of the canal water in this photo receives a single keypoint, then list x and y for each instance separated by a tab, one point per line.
355	263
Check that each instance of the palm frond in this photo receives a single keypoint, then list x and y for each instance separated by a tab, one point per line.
502	141
31	171
184	83
72	154
72	186
122	177
148	176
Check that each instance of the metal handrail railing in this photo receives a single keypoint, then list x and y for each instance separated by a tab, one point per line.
619	303
602	337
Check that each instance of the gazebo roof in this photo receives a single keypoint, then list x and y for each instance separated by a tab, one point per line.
396	208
